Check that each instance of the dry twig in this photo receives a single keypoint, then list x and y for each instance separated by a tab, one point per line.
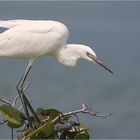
85	109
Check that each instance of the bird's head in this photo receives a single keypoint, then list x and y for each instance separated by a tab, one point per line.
69	55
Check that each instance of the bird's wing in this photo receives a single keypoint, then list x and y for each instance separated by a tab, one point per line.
12	23
36	26
30	40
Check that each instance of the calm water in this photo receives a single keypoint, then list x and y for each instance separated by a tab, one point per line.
112	29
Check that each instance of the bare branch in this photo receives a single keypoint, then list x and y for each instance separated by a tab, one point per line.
4	121
15	100
85	109
5	101
12	134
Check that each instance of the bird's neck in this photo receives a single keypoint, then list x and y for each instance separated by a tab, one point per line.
68	54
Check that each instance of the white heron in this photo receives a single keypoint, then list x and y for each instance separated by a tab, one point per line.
32	39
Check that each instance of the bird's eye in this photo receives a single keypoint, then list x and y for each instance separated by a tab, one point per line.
89	54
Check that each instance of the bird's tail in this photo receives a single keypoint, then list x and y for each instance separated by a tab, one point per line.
12	23
6	24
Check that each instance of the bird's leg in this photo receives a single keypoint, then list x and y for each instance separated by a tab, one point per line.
23	98
21	92
31	109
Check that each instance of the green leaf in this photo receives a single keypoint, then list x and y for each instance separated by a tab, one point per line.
47	114
44	132
52	113
71	135
83	134
39	111
12	115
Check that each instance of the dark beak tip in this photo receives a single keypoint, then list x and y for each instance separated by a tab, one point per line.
95	60
103	66
111	71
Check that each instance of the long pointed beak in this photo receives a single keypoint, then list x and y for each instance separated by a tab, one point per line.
99	62
102	65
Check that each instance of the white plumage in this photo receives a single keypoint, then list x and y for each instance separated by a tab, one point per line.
31	39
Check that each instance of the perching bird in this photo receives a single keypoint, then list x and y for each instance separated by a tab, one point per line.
32	39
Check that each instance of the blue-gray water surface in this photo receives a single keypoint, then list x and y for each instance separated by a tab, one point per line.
112	29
